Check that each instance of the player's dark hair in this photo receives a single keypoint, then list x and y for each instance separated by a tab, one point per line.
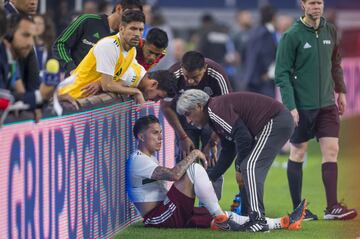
192	60
132	16
157	37
143	123
167	81
128	4
13	23
267	13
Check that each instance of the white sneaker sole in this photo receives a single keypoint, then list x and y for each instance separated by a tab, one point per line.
345	216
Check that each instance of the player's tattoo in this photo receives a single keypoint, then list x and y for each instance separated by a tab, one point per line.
175	173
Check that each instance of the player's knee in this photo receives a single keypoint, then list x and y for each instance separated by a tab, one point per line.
195	170
297	153
330	152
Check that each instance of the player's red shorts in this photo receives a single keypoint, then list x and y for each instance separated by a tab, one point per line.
177	212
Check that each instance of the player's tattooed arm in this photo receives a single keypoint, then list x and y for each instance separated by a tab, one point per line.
175	173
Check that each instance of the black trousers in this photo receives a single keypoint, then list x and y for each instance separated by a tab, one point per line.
255	166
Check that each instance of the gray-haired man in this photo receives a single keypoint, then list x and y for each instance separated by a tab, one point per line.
253	127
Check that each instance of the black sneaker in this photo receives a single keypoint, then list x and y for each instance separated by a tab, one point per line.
309	216
255	224
339	212
296	217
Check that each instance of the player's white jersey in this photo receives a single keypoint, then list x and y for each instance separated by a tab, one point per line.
107	54
133	74
140	186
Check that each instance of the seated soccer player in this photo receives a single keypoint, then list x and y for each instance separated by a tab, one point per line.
145	179
154	85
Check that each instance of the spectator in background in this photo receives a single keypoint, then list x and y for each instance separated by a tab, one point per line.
260	54
158	20
213	39
216	44
61	15
28	66
105	7
3	60
44	38
17	45
309	73
240	37
28	7
78	38
283	23
332	17
90	7
3	23
179	48
147	9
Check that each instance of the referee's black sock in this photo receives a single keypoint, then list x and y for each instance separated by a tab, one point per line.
294	174
329	176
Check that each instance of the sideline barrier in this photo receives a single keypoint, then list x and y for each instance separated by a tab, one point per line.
65	176
351	67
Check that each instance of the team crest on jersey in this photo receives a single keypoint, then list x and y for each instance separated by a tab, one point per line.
208	90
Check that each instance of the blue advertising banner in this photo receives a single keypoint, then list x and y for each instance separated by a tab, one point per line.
65	176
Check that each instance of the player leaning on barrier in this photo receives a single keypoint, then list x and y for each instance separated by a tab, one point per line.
108	60
253	127
148	53
145	185
308	71
83	33
112	63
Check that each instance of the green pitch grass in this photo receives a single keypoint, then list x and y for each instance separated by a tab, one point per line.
277	197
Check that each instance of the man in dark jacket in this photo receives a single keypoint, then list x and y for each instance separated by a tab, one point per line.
82	34
260	55
251	126
196	72
308	71
17	45
28	66
3	61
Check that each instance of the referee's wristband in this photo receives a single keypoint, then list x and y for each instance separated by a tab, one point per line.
184	136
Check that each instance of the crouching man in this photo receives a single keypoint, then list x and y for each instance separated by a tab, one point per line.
251	126
145	180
